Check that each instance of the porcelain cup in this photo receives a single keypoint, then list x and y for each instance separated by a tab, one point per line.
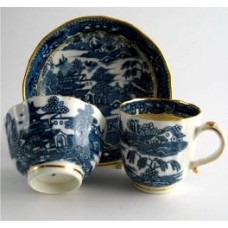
158	138
55	141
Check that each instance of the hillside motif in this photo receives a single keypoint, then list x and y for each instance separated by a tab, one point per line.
101	69
151	140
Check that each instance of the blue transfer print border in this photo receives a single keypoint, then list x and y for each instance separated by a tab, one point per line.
93	24
151	106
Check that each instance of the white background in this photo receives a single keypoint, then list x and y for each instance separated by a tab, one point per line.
194	42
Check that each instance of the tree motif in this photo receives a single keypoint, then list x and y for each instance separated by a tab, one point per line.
142	162
150	168
82	121
71	123
54	106
49	83
133	67
76	68
102	75
84	118
155	163
131	156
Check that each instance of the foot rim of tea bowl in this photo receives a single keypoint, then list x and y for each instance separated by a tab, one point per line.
55	177
154	190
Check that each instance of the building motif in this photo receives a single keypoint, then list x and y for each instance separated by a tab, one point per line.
105	71
54	137
150	140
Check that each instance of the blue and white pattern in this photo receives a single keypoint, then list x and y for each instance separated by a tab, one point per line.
51	134
103	62
150	152
160	106
150	140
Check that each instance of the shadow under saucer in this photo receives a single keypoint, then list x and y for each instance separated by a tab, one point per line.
109	179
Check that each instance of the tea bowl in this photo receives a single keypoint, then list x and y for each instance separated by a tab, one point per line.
55	141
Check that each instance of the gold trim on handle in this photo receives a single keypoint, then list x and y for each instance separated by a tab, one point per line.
195	170
210	125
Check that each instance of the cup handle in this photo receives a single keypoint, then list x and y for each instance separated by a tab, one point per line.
222	136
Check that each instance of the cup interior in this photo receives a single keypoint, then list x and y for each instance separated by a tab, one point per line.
150	106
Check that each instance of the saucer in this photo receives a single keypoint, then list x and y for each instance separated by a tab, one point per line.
102	61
